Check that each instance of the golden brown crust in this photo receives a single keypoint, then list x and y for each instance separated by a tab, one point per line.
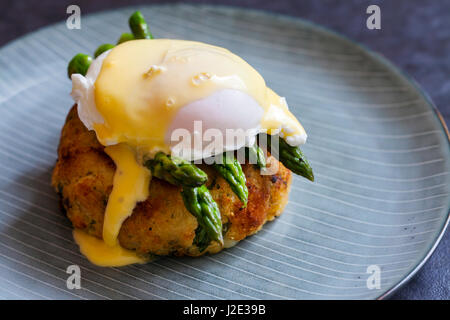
83	176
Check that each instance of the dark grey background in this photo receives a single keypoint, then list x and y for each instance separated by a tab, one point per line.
414	35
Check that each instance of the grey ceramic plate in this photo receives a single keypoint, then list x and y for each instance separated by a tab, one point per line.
380	155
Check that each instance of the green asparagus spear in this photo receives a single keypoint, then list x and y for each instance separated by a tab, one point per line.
176	170
103	48
231	170
139	27
200	203
125	37
255	155
79	64
291	157
201	239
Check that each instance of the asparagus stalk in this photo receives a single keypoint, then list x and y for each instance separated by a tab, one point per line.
291	157
139	27
200	203
79	64
255	155
103	48
231	170
196	197
124	37
176	171
201	239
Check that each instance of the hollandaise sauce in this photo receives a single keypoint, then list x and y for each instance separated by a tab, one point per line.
99	253
131	184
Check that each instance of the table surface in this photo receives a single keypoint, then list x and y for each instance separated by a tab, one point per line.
414	35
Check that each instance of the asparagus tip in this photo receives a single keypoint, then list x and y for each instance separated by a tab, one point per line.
310	176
